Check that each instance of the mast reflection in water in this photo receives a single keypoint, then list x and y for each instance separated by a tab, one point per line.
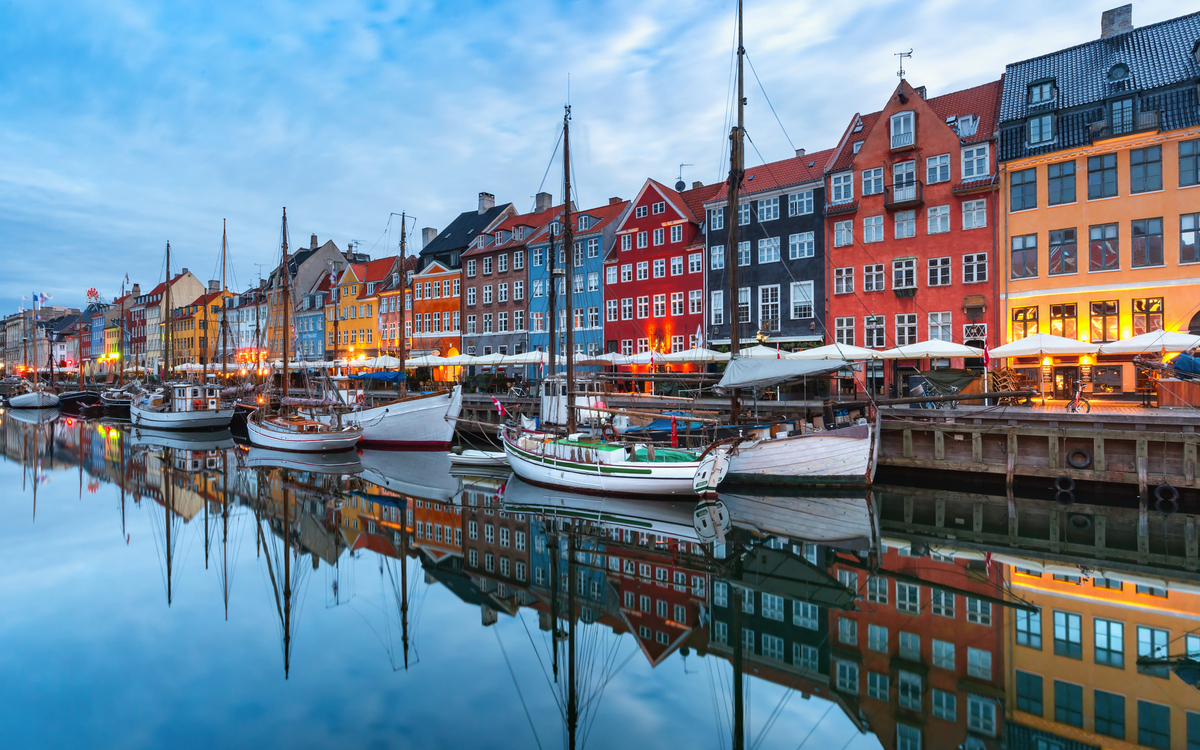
904	619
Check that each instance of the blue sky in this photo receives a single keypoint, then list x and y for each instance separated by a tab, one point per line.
128	123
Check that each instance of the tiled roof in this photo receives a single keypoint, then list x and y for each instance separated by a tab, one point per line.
982	101
845	150
695	198
778	174
1157	55
462	230
602	215
533	220
378	268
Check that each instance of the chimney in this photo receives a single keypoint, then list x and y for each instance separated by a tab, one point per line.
799	153
486	201
136	291
1116	21
312	242
542	202
920	91
614	200
428	234
696	184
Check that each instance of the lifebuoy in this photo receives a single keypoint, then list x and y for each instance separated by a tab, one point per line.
1084	460
1064	498
608	429
360	399
1064	483
1166	499
197	403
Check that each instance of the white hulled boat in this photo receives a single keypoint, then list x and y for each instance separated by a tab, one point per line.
180	406
422	422
34	397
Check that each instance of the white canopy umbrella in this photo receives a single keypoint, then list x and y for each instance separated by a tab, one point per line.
385	360
762	352
644	358
696	355
429	360
932	349
835	351
607	360
1040	344
526	358
1152	342
489	359
460	360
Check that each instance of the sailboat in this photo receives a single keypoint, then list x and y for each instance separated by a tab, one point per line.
582	461
36	395
292	432
178	406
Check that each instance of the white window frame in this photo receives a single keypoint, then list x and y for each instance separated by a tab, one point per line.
801	203
937	169
874	278
768	250
977	264
801	245
802	300
904	273
768	209
937	219
843	280
971	156
872	229
843	233
844	331
974	214
938	272
872	181
842	187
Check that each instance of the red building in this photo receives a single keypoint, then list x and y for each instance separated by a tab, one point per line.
909	221
654	273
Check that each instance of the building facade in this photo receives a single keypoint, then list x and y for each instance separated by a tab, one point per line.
356	313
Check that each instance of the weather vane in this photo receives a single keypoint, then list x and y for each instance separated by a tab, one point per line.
902	55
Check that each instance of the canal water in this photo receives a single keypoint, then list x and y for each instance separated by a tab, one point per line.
162	591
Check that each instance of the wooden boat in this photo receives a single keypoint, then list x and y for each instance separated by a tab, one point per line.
181	406
421	474
34	397
421	422
296	433
842	457
343	462
487	459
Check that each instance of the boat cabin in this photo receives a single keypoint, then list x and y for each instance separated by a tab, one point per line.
554	399
194	397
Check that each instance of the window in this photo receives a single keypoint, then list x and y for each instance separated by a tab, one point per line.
1145	169
945	705
677	303
873	278
1063	323
902	129
910	646
975	162
768	209
800	203
660	305
1040	93
1154	725
843	187
943	654
802	299
1102	176
502	293
805	615
981	715
660	268
979	663
772	647
942	602
806	657
772	607
1068	703
718	308
1152	644
641	240
1061	183
937	169
843	233
1041	129
658	208
659	236
643	270
844	334
877	586
872	181
877	686
743	253
1189	238
677	265
593	246
974	214
938	219
877	638
1063	252
1147	242
470	273
907	738
1105	322
1023	190
1148	316
1110	714
873	338
626	307
487	266
1067	636
910	690
904	273
744	213
848	631
979	612
716	218
906	224
695	301
801	246
939	271
1025	322
872	229
695	262
717	256
768	307
843	281
847	676
1024	256
1029	693
768	250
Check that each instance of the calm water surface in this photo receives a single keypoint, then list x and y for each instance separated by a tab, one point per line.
167	594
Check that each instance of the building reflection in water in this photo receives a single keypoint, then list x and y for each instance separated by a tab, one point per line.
929	619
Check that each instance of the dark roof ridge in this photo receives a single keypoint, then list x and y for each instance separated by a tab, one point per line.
1102	39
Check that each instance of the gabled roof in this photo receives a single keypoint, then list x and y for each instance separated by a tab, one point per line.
533	221
779	174
695	198
435	267
1157	55
603	215
859	128
460	232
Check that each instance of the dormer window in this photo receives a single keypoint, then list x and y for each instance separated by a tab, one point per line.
967	125
520	233
584	223
555	228
857	146
902	130
1040	93
1041	129
499	236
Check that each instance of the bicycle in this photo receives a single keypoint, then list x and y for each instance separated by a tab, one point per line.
1079	403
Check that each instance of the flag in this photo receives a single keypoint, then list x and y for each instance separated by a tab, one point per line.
987	557
987	356
499	407
499	494
126	278
777	351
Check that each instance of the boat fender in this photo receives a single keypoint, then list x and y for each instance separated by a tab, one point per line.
1079	459
197	404
1064	483
1064	498
1166	499
1080	521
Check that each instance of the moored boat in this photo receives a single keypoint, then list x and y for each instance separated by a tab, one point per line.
296	433
34	398
421	422
180	406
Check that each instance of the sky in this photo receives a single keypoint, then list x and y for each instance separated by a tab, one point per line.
131	123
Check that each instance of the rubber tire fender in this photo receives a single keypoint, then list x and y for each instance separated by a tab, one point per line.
1166	499
1086	462
1064	483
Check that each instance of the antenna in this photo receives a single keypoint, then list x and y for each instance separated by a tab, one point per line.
680	185
902	56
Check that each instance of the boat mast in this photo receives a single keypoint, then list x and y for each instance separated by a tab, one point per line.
736	173
404	580
568	247
168	347
552	298
403	342
224	308
572	696
286	304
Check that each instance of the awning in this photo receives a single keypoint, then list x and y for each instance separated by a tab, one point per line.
764	373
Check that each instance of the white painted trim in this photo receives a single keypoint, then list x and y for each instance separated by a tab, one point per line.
1102	288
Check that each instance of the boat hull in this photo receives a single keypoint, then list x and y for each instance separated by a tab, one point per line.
35	400
206	419
302	442
835	458
644	480
416	424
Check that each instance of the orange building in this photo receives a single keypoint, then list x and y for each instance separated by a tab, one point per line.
1101	196
437	311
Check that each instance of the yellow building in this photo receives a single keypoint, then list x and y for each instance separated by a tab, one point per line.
1073	672
353	319
1101	196
196	328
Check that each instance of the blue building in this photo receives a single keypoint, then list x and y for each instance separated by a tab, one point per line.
593	234
310	322
94	314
